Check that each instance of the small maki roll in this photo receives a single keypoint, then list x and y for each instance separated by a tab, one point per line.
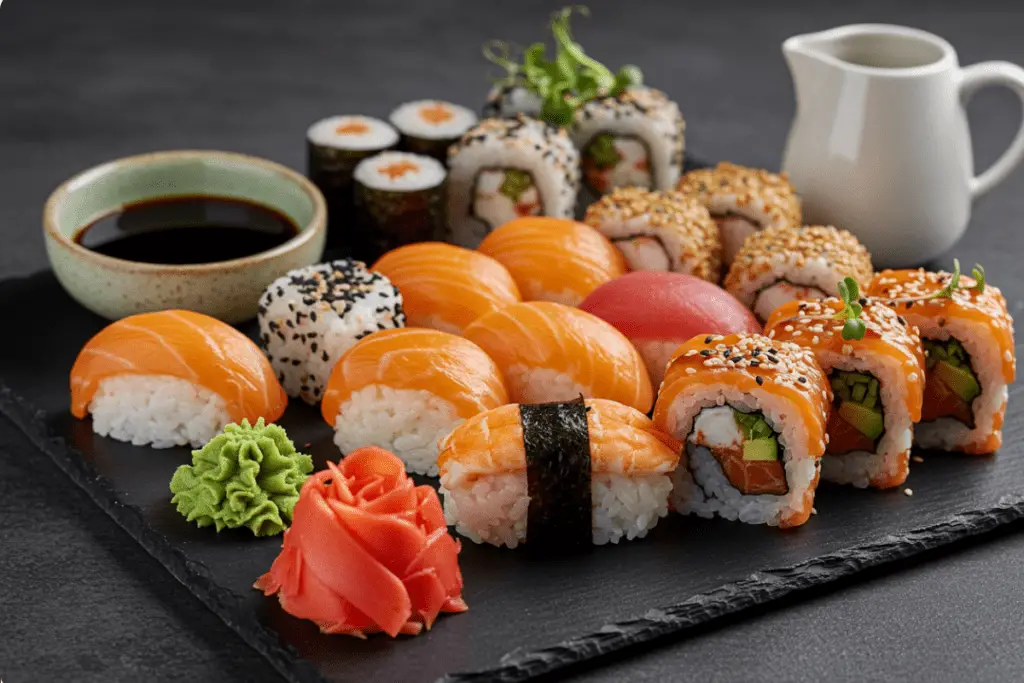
753	414
783	264
877	382
552	352
554	259
970	357
399	199
557	476
445	287
659	231
742	201
403	390
658	312
172	378
634	138
335	146
509	168
310	316
430	126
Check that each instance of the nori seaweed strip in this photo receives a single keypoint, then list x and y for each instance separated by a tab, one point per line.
556	440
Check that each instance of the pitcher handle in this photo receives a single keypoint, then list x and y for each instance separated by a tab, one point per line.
972	79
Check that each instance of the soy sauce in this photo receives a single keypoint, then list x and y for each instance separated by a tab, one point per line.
186	230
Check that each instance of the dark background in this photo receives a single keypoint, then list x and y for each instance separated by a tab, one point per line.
83	82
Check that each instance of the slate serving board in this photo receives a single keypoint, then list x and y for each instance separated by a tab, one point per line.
527	617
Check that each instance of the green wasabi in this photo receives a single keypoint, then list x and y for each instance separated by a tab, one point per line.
248	476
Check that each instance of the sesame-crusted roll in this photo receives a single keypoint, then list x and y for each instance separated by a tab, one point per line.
752	412
659	231
783	264
504	169
969	355
742	201
877	385
635	138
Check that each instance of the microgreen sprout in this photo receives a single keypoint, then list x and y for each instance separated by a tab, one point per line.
571	80
849	292
954	282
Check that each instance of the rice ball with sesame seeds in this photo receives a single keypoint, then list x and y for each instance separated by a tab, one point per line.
309	317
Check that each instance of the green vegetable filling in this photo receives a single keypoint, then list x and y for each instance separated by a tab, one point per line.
759	440
515	184
602	152
951	364
858	402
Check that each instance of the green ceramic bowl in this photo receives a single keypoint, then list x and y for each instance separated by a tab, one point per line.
228	290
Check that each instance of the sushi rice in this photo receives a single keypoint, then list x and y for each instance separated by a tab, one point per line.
432	119
157	410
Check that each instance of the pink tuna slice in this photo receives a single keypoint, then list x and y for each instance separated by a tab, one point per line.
646	305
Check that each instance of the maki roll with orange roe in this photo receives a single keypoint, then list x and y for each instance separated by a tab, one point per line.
664	231
430	126
554	259
967	334
752	412
743	201
877	385
783	264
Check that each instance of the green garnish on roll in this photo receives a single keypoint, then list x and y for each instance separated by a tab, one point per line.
248	476
570	80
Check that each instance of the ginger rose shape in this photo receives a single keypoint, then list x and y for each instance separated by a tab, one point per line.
368	551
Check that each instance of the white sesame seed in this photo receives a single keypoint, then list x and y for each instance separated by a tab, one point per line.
691	371
788	328
847	349
912	377
908	492
1007	356
814	339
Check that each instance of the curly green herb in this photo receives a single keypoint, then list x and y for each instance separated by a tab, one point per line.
571	80
849	293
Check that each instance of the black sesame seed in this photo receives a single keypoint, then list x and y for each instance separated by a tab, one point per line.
325	357
909	304
705	352
312	316
863	301
901	320
727	353
707	340
296	361
802	380
755	363
312	347
757	352
759	380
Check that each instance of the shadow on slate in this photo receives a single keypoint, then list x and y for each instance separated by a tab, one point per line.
527	616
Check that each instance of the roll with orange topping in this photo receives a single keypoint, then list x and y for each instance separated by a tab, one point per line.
742	201
430	127
784	264
969	355
877	384
752	412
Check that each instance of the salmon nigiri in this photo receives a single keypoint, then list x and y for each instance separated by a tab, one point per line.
554	259
566	475
552	352
446	287
172	378
404	389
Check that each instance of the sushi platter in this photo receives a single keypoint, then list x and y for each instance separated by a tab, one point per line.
485	399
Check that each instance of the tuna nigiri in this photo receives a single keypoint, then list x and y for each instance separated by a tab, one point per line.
446	287
404	389
554	259
658	311
172	378
552	352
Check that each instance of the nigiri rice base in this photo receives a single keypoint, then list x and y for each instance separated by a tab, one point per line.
407	422
494	508
700	486
541	385
157	410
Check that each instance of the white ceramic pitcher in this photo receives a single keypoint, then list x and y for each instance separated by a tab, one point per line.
880	144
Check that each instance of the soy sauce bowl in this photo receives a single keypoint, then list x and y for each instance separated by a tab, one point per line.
228	290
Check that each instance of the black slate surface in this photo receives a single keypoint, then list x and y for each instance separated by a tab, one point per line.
588	605
83	82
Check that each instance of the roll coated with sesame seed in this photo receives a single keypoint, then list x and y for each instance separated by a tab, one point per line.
664	231
783	264
877	384
742	201
309	317
753	413
633	139
969	355
503	169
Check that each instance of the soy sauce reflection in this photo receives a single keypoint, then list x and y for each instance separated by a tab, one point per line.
187	230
